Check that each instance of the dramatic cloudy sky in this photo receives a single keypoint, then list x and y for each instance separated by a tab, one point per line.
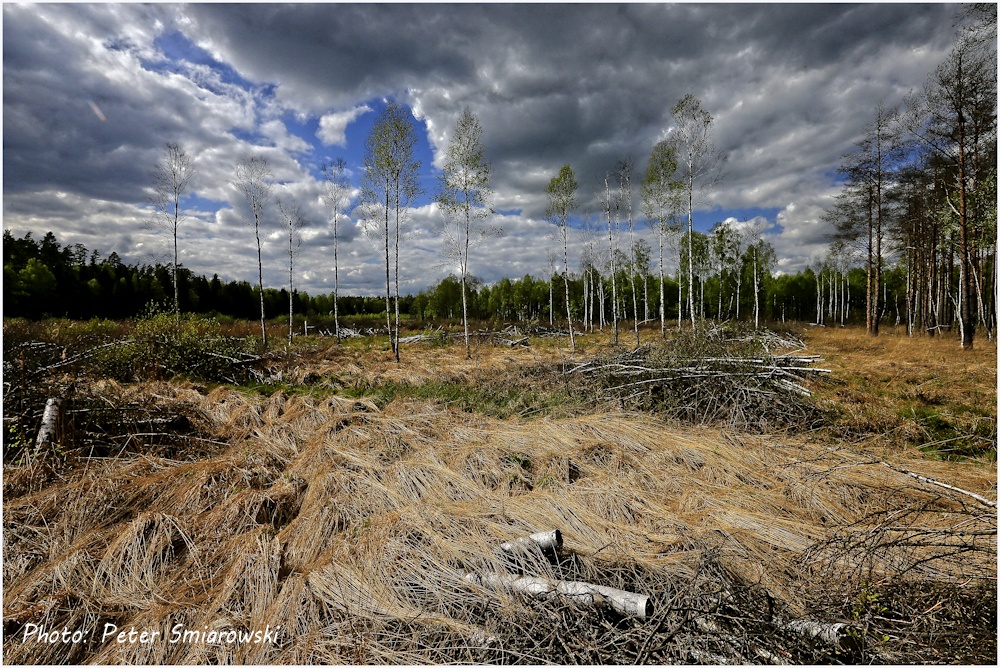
91	94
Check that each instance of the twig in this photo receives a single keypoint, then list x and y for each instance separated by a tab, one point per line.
981	499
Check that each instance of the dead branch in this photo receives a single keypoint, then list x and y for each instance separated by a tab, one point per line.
742	388
981	499
80	356
840	636
625	602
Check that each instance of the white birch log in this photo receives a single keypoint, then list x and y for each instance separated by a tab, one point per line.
835	635
50	422
546	540
625	602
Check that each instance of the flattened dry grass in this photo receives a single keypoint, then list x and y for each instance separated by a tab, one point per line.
368	362
352	527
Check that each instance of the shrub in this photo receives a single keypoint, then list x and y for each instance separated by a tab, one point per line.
197	349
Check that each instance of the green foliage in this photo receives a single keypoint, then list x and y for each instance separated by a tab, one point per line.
465	192
562	195
951	431
547	480
661	191
110	288
152	347
197	349
866	607
15	443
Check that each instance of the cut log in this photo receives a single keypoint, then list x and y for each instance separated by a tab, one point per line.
624	602
519	556
416	338
50	423
546	540
836	635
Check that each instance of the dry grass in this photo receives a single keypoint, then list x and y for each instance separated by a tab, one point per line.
342	505
920	391
352	527
369	361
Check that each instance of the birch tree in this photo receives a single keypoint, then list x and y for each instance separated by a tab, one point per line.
698	245
726	252
760	257
609	202
337	189
562	200
643	254
170	179
252	178
660	202
293	220
465	197
551	257
700	164
625	200
388	186
590	258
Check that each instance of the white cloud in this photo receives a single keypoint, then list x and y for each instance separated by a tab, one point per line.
333	127
278	133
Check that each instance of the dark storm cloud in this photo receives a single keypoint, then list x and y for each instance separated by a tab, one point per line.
331	55
49	128
57	86
790	86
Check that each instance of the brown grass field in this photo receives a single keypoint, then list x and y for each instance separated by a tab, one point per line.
338	508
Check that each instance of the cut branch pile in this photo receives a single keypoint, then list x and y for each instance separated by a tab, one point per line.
748	392
766	339
357	332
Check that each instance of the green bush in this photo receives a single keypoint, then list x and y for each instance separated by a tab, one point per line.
161	348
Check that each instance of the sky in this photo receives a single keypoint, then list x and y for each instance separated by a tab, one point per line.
93	92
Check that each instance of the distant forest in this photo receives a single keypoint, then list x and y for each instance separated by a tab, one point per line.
45	279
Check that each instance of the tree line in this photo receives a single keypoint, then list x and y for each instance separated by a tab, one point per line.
42	278
45	279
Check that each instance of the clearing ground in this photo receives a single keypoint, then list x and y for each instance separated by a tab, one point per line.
349	510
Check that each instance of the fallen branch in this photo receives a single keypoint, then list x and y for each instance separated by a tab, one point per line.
625	602
417	338
80	356
510	343
931	481
248	359
545	540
